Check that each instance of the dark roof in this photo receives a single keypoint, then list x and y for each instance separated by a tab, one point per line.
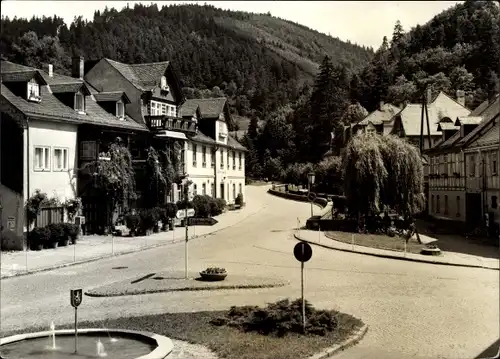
51	109
189	108
23	76
69	87
7	66
209	107
143	76
231	142
111	96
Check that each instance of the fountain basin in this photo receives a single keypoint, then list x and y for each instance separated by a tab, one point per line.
131	344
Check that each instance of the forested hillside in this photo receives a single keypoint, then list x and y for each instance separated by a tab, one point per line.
458	49
260	62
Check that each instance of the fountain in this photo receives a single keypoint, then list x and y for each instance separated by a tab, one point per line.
100	349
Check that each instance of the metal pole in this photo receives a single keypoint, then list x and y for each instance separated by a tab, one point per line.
309	194
76	330
74	252
302	294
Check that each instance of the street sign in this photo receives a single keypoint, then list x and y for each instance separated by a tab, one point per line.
201	221
311	196
182	213
302	251
76	297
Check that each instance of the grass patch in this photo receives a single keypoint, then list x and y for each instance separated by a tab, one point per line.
229	341
377	241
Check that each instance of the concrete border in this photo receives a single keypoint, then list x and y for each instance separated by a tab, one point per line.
98	294
302	199
392	256
105	256
351	341
163	349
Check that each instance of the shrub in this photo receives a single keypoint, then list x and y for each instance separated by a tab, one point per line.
171	209
57	232
39	236
219	206
148	219
182	205
239	199
202	206
280	318
132	222
72	206
215	270
72	231
34	204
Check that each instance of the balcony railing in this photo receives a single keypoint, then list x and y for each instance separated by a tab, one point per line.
163	122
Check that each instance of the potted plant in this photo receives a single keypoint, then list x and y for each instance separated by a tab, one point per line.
162	216
132	221
171	213
56	235
72	206
239	200
72	231
38	237
213	274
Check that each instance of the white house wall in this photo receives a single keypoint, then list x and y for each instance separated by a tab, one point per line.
53	182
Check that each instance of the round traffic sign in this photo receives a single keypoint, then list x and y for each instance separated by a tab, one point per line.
302	251
311	196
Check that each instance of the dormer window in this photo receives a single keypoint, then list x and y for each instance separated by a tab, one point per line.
80	103
163	84
120	110
33	91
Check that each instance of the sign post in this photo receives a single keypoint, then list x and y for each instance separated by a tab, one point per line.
76	300
302	252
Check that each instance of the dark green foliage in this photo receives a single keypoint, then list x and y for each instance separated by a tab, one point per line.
72	231
57	231
239	200
171	209
132	222
149	218
202	206
39	236
280	318
183	205
34	204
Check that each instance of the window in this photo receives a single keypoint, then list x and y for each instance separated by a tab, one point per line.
212	158
458	206
494	202
221	159
164	109
172	111
204	156
154	108
183	161
60	159
120	111
234	190
212	190
204	189
228	165
494	167
445	204
438	204
195	149
42	158
239	161
88	150
241	187
195	189
79	103
33	90
234	160
432	203
472	166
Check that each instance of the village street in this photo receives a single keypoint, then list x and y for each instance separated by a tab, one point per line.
414	310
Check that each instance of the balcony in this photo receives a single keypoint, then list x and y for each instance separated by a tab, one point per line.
163	122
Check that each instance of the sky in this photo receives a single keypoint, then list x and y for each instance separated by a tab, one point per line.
361	22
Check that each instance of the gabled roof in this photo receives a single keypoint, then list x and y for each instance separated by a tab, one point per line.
231	142
488	116
447	126
70	87
468	120
209	107
142	76
441	107
113	96
23	76
378	117
7	66
189	108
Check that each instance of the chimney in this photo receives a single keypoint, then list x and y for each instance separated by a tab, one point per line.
461	97
50	70
429	95
77	67
380	104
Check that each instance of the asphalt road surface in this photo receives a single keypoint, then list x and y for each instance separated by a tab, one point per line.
414	310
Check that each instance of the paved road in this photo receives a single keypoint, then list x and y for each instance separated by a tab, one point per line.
414	310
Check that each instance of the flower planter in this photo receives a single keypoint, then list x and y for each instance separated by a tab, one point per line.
52	245
213	277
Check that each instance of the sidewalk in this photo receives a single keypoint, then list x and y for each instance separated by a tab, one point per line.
91	248
447	258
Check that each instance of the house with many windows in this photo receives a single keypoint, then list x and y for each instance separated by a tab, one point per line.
44	118
464	180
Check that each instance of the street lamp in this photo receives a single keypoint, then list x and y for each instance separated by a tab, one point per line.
310	180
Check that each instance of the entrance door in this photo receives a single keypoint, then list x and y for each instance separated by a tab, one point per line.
222	190
473	210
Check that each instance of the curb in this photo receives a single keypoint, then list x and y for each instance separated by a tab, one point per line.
389	256
185	289
140	249
353	340
272	192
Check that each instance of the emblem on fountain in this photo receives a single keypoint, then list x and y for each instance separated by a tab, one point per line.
76	297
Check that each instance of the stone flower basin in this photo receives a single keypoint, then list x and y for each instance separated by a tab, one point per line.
213	277
92	343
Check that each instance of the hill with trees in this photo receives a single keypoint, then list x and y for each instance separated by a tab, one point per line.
258	61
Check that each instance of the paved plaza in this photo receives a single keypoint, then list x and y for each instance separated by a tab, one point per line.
414	310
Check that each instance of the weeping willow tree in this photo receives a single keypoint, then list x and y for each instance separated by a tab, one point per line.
382	173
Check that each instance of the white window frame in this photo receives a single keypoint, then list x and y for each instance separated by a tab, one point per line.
195	189
204	189
45	159
212	157
65	163
234	160
204	156
221	159
80	110
194	150
34	87
241	189
239	158
121	105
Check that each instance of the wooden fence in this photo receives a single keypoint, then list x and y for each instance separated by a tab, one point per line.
49	215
